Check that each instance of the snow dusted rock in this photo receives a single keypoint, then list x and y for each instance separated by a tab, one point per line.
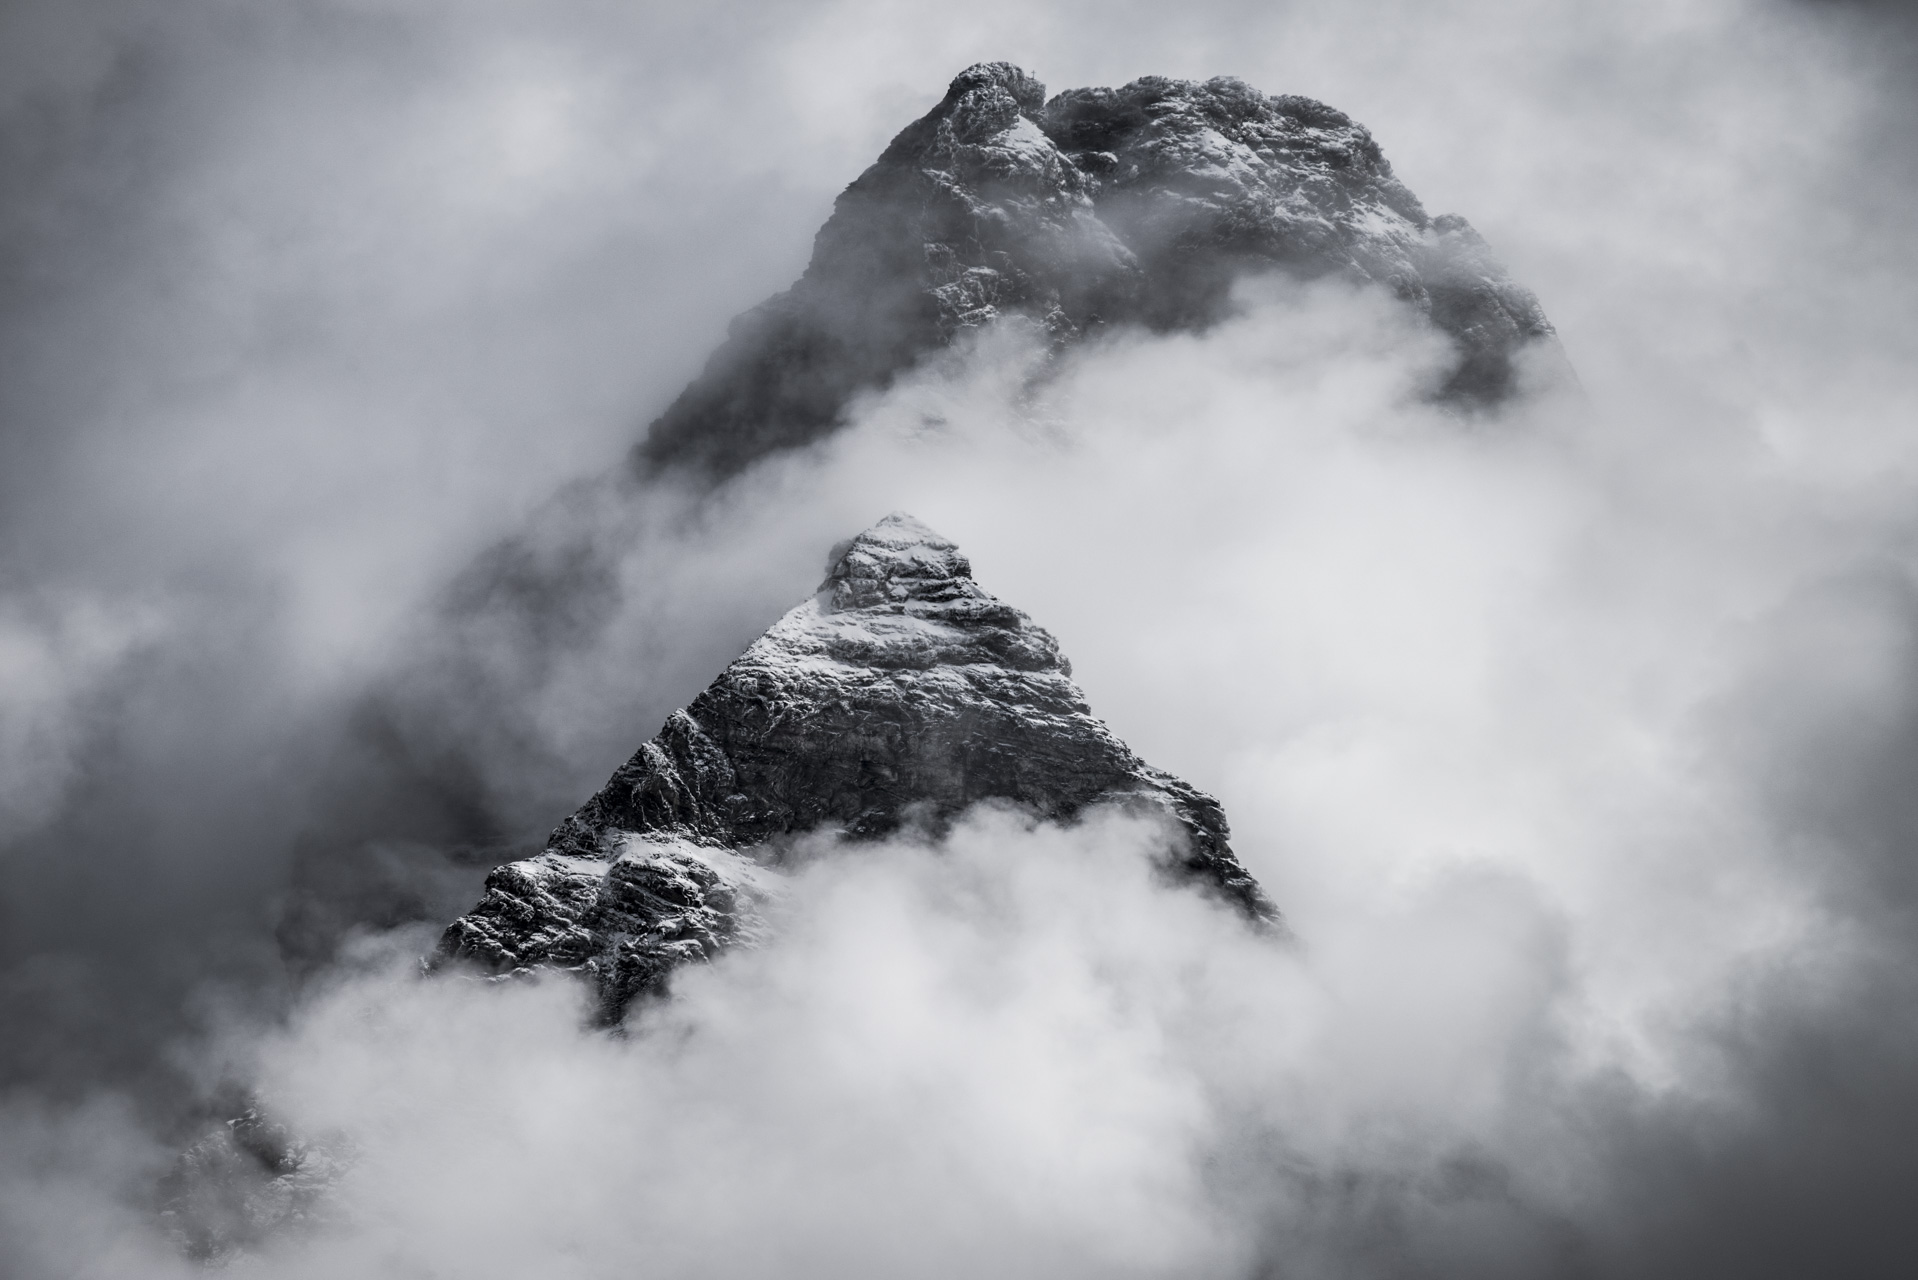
900	694
1101	206
628	913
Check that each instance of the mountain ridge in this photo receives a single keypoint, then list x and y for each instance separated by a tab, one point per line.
1092	208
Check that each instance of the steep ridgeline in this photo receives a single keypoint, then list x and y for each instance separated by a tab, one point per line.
901	693
1100	206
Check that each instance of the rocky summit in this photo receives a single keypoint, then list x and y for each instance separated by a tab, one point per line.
898	695
1095	207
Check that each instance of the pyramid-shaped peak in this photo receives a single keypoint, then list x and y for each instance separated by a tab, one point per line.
895	560
902	697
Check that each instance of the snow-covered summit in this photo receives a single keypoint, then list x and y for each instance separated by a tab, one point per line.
900	595
1097	207
896	560
901	692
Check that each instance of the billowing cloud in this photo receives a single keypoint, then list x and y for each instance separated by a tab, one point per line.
1576	746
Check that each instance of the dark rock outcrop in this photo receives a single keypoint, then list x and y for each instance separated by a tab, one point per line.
902	693
1137	205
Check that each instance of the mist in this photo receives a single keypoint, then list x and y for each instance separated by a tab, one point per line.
1575	745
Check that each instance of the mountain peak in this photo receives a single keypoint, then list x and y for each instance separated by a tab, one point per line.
1138	205
901	694
896	560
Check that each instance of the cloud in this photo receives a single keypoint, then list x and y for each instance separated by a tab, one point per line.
1015	1050
1576	746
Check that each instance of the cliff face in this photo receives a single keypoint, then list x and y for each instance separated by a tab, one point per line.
1138	205
900	694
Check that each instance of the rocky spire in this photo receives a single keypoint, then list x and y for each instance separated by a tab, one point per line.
901	692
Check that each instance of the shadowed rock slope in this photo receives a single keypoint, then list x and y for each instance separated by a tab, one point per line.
1137	205
900	693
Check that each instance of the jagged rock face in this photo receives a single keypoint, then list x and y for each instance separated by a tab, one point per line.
1101	206
901	693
